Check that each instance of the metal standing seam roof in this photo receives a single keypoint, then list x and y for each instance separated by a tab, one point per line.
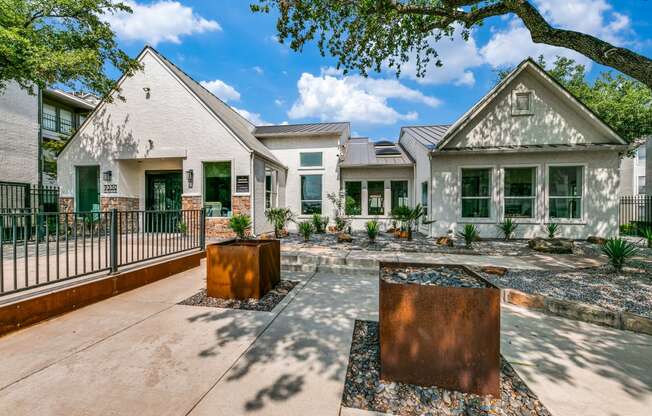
238	124
542	147
308	128
361	152
428	136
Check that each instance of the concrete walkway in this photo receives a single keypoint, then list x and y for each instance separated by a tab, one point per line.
141	353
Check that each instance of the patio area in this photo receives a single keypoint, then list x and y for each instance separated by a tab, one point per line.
143	353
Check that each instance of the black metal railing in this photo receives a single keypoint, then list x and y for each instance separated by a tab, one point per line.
15	197
43	248
635	214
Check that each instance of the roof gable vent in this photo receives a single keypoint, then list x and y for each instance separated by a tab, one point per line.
388	151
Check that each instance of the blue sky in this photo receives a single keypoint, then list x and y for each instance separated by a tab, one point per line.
235	53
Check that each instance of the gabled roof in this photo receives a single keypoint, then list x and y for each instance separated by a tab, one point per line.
360	152
239	125
527	64
428	136
312	129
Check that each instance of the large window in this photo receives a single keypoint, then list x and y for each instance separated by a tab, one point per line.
565	192
376	198
520	192
217	189
268	191
353	194
310	159
399	194
641	185
311	194
476	193
424	197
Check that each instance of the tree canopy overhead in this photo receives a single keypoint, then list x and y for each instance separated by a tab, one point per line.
46	42
367	34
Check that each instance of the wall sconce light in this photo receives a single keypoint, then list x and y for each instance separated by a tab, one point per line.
107	175
147	90
190	175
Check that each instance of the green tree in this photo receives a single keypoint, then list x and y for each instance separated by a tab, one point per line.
367	34
46	42
621	102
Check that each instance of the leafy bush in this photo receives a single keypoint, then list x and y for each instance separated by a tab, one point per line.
647	234
553	229
279	217
338	201
373	228
182	227
507	227
470	234
618	251
628	229
319	223
305	229
340	223
240	223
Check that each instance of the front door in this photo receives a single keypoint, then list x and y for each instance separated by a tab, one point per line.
163	193
88	188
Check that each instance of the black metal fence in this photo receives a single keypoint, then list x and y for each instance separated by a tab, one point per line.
635	214
42	248
16	197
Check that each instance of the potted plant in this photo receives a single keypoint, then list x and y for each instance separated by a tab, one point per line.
279	217
373	227
242	268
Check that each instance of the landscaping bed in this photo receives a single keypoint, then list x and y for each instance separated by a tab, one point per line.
264	304
364	390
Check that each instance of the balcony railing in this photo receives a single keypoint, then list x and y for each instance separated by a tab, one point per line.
53	123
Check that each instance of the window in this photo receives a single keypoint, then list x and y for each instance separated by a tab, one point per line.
424	197
399	194
565	192
49	117
522	103
376	198
310	160
641	185
641	153
217	189
65	121
310	194
353	202
268	191
520	191
476	193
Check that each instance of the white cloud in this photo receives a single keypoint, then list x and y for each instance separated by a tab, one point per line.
163	21
279	102
254	118
596	17
331	96
258	70
221	89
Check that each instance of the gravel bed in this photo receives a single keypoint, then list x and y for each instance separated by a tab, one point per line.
629	290
264	304
364	390
431	276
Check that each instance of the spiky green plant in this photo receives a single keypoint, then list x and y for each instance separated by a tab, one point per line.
470	234
240	223
647	235
553	229
373	228
319	223
508	227
618	251
279	217
306	229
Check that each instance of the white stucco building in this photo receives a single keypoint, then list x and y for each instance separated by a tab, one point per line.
528	150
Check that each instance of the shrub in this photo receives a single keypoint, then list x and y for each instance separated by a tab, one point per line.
647	234
469	234
553	229
373	227
240	223
279	217
340	223
306	229
338	201
618	251
507	227
319	223
182	227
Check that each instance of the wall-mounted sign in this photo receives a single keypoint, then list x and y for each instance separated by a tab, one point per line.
110	188
242	184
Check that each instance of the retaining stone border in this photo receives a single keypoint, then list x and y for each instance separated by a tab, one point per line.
578	311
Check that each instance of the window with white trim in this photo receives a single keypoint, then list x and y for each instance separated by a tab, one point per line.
311	189
522	103
376	198
310	159
519	192
476	193
424	197
565	192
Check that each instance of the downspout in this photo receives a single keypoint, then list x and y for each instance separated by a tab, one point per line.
431	197
252	193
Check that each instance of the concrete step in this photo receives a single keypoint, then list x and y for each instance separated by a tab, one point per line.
347	270
298	267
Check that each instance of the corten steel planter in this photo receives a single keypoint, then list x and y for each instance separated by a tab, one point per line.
242	269
440	336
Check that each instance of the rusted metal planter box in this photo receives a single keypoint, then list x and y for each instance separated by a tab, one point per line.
242	269
440	336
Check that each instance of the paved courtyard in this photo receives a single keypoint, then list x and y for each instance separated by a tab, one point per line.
142	353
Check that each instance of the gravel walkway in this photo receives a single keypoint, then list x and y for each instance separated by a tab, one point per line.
264	304
364	390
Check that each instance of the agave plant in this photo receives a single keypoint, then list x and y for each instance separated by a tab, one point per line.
647	234
553	230
373	228
306	229
240	223
507	227
470	234
319	223
618	251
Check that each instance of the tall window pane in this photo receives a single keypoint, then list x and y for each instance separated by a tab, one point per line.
49	117
65	121
424	196
565	192
376	198
476	193
353	203
268	191
311	194
217	189
399	194
310	159
520	188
